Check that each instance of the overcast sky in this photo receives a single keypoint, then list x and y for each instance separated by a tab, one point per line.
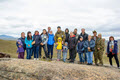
18	16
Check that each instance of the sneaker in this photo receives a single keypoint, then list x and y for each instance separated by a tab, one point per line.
37	59
58	60
111	66
118	67
34	58
71	62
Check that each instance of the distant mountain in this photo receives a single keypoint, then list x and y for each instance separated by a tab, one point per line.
6	37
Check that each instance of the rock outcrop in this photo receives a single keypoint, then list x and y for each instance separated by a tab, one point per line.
16	69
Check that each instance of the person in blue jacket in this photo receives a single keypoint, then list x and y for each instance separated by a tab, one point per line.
37	40
89	46
28	42
50	44
113	50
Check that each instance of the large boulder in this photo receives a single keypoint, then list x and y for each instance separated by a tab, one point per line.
16	69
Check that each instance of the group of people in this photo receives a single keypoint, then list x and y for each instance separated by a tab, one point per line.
85	45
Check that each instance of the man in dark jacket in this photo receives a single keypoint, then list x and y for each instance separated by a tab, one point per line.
22	38
85	37
72	46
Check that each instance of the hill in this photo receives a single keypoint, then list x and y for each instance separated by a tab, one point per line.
16	69
6	37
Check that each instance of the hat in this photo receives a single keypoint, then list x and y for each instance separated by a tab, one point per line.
58	27
94	31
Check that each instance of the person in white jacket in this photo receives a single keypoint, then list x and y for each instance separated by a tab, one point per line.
44	37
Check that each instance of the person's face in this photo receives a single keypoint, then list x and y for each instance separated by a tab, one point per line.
49	28
111	39
59	40
89	37
103	40
82	30
50	32
81	39
99	36
71	33
23	35
44	32
66	31
30	34
65	44
58	29
95	34
75	31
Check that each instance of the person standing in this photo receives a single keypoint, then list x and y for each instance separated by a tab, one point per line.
99	50
59	48
28	42
58	34
50	44
44	37
89	46
37	41
112	50
72	46
22	38
65	50
95	37
80	50
85	38
67	35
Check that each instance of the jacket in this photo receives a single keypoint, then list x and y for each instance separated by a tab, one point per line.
44	38
59	34
37	39
85	36
72	42
115	50
51	40
28	42
59	46
90	44
67	37
80	47
20	49
99	44
23	42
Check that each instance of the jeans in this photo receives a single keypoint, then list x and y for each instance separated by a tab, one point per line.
85	54
36	51
89	57
81	57
64	56
45	51
50	49
59	54
29	53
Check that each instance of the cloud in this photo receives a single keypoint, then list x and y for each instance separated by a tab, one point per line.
17	16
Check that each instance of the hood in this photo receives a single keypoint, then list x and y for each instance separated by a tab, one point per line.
60	39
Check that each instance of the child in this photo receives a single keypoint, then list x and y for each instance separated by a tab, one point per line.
59	48
65	49
80	49
20	49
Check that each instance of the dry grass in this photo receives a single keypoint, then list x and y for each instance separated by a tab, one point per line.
9	47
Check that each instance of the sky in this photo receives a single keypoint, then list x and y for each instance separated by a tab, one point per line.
18	16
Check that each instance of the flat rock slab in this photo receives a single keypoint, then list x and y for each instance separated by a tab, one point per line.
16	69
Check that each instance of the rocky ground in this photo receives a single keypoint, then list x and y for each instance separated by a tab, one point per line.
16	69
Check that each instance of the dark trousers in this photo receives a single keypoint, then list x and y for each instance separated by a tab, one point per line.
21	55
116	58
36	51
50	50
45	51
72	54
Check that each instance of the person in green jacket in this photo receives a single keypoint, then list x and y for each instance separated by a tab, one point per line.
58	34
99	50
